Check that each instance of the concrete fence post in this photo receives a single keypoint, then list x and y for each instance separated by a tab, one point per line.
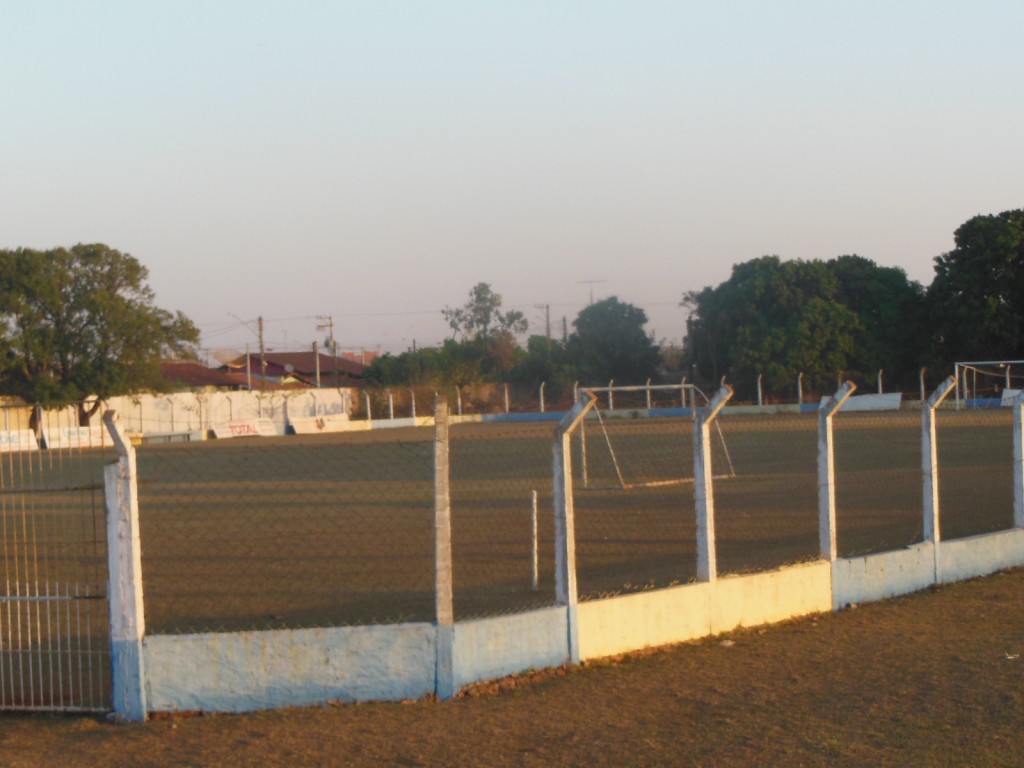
707	566
444	680
1018	461
930	460
826	471
565	531
124	563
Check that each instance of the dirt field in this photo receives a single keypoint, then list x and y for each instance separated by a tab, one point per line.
934	679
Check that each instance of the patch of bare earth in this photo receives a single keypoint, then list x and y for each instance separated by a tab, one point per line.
935	679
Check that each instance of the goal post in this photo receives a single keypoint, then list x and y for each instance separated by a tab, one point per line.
987	383
642	437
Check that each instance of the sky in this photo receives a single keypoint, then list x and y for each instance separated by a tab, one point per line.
366	164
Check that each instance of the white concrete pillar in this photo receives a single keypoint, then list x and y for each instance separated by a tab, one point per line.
443	591
707	566
826	471
124	563
929	461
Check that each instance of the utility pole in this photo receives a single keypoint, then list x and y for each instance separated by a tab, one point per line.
591	284
327	324
263	354
547	320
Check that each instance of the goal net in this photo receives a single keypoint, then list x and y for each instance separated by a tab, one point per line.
642	437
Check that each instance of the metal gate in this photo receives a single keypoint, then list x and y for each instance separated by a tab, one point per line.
54	636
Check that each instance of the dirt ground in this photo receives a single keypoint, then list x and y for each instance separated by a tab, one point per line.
934	679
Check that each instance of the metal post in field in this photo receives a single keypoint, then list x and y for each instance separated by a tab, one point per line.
542	396
391	406
366	399
826	471
1018	461
800	388
535	563
412	400
760	389
611	395
506	398
648	391
707	567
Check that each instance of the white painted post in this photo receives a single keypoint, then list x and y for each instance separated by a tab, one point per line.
412	400
506	398
611	397
879	381
366	399
1018	460
682	392
921	382
760	389
124	563
930	461
707	566
533	519
443	600
458	400
826	471
391	406
542	396
800	388
565	530
648	394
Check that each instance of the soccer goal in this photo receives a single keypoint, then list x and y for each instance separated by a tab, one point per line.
642	437
988	383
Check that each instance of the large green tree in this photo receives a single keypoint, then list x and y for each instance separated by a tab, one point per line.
609	342
772	318
79	323
976	299
891	321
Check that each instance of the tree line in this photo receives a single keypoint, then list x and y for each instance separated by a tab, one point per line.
850	317
80	322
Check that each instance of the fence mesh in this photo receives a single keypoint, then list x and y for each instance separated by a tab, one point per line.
288	532
879	486
975	452
495	471
767	514
633	502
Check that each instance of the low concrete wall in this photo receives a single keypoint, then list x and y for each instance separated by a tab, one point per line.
676	614
245	671
874	577
960	559
646	619
763	598
504	645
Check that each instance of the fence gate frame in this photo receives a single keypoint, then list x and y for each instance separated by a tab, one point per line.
54	616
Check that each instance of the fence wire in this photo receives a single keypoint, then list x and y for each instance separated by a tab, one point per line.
633	501
975	453
878	479
495	472
300	531
766	515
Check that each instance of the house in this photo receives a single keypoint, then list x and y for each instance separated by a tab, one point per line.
303	368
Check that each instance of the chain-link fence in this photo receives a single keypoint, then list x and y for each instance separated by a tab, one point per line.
766	514
502	519
879	491
975	450
288	532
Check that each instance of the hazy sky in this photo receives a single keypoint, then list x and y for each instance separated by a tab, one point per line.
373	161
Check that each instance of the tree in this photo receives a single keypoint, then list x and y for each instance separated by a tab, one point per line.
772	318
79	323
890	311
976	300
481	316
610	343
